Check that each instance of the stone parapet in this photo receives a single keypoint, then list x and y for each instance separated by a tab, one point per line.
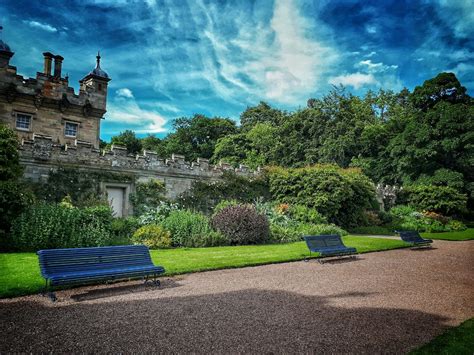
83	154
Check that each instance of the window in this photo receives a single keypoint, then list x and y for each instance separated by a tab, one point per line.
23	122
70	129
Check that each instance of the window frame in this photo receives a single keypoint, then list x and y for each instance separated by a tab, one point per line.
30	122
66	129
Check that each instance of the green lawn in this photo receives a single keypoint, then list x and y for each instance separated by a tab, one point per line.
456	341
19	272
468	234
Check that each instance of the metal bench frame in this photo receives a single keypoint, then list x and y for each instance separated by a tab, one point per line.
415	239
91	265
328	245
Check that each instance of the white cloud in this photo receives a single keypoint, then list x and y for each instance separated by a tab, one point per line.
371	54
131	113
459	14
124	92
376	67
42	26
371	29
356	80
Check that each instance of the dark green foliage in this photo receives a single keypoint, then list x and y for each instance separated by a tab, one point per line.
205	195
242	224
147	195
196	137
442	199
304	214
15	197
10	168
129	140
262	113
122	230
190	229
82	186
47	226
341	195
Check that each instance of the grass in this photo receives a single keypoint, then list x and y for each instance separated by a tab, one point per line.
19	272
468	234
458	340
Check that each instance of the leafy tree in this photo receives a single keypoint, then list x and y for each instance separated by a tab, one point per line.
262	113
129	140
196	137
9	157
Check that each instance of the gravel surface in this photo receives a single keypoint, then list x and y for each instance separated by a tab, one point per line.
386	302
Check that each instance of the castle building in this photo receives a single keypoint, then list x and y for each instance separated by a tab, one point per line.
47	106
59	129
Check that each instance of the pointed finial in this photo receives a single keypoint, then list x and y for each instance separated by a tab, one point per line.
98	59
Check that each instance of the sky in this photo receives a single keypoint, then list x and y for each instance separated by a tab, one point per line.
175	58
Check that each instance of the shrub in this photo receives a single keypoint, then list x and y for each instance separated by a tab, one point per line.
122	229
242	225
282	234
341	195
15	197
157	214
153	236
223	204
305	214
374	230
455	226
148	194
189	229
316	229
47	226
442	199
277	215
205	195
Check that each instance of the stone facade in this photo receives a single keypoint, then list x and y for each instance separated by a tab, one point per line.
41	155
48	106
59	128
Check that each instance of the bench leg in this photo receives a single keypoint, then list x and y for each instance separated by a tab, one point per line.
47	291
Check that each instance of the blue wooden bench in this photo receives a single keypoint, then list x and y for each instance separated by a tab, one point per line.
415	239
328	245
87	265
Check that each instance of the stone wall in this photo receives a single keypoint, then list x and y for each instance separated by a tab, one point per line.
41	155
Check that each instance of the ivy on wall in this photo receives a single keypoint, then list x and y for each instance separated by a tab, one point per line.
82	186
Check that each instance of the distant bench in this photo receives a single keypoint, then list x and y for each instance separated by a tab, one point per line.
84	265
328	245
414	238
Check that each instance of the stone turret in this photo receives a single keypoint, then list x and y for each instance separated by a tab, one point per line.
5	52
95	84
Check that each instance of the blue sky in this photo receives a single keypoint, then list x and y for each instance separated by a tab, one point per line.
174	58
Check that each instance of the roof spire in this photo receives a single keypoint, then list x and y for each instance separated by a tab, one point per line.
98	59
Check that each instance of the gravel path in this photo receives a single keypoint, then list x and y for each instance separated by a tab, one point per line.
387	302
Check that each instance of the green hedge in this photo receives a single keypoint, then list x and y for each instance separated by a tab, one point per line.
49	226
340	195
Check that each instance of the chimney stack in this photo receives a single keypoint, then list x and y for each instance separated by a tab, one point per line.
48	61
58	60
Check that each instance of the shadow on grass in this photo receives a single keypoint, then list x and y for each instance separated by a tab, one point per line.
250	320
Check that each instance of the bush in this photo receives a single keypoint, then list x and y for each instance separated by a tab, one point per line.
277	215
408	218
49	226
442	199
282	234
373	230
157	214
205	195
223	204
122	230
242	225
148	194
153	236
317	229
189	229
341	195
15	197
305	214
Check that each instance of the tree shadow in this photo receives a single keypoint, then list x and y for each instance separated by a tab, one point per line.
252	320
